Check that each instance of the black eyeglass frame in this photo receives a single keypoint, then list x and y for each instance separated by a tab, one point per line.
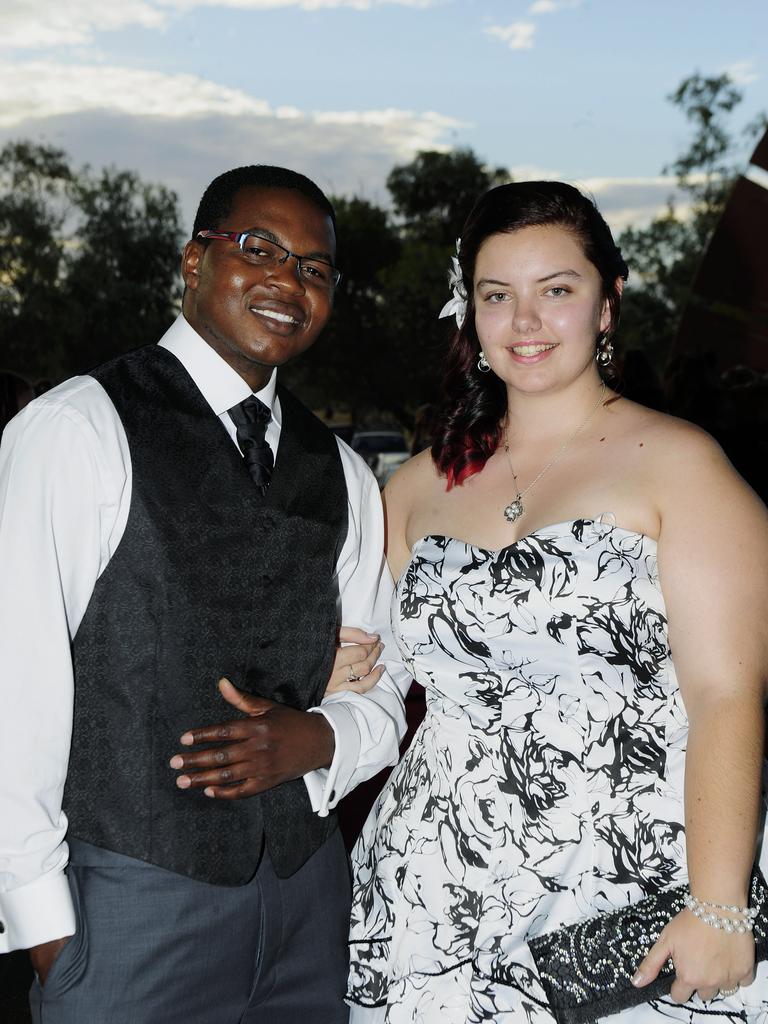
239	238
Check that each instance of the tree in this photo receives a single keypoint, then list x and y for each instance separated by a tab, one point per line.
34	206
664	255
433	194
88	263
123	273
381	353
340	365
432	197
705	171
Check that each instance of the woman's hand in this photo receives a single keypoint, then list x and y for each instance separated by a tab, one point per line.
706	960
354	667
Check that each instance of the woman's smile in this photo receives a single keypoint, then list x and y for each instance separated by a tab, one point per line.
531	351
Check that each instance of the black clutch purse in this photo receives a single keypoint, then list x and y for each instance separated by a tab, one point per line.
586	968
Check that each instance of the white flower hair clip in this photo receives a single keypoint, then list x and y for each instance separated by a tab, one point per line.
457	306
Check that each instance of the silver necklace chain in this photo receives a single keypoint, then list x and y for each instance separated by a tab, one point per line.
515	509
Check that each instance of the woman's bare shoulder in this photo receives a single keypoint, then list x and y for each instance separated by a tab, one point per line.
411	480
671	438
689	473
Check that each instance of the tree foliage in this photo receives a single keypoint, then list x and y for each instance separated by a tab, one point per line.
34	183
383	348
433	194
705	169
88	263
339	367
665	255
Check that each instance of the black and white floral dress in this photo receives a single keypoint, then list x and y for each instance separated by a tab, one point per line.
544	785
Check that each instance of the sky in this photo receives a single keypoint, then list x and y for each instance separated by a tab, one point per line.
343	90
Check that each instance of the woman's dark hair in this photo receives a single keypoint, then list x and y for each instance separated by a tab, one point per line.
219	197
469	420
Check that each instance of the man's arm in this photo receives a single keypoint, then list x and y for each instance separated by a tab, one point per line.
53	516
350	736
368	727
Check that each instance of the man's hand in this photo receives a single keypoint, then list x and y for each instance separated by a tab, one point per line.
43	956
273	744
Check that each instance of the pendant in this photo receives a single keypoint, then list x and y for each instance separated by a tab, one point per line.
514	510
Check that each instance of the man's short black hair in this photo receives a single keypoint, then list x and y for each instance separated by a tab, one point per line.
219	197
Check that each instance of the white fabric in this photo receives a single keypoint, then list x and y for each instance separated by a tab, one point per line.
544	786
65	491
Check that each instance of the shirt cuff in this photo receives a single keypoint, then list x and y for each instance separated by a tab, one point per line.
37	912
326	786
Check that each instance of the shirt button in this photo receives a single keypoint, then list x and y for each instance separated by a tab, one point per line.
333	795
2	927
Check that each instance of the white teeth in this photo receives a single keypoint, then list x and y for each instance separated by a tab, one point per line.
530	350
274	315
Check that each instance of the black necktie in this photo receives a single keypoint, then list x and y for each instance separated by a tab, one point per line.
251	418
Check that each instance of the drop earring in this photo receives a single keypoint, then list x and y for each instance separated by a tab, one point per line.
604	351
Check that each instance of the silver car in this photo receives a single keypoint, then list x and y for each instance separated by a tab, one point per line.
383	450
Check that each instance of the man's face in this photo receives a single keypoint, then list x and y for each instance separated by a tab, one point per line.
259	317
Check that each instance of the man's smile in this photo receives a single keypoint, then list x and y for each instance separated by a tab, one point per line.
281	316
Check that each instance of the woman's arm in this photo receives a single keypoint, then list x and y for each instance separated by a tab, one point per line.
713	566
361	655
354	665
407	489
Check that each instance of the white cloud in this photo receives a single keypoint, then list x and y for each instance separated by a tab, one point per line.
182	130
47	23
185	154
624	202
24	25
518	36
42	89
38	89
633	202
533	172
405	132
742	72
551	6
306	5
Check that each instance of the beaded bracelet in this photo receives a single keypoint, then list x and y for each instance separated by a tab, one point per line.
715	914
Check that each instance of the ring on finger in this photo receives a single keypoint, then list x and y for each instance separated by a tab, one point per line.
724	992
351	677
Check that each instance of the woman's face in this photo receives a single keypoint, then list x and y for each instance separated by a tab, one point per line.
539	307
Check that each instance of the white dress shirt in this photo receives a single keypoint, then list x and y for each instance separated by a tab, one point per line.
65	493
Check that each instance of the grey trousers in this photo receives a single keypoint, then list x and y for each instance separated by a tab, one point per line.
154	947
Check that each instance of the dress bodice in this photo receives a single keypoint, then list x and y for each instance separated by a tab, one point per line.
545	783
580	598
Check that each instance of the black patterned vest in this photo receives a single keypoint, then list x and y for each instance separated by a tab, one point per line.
209	580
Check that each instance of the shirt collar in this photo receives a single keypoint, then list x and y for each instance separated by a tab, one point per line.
220	385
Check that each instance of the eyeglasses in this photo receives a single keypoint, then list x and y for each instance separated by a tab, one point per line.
266	253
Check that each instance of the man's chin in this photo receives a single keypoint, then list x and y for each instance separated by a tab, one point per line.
278	350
